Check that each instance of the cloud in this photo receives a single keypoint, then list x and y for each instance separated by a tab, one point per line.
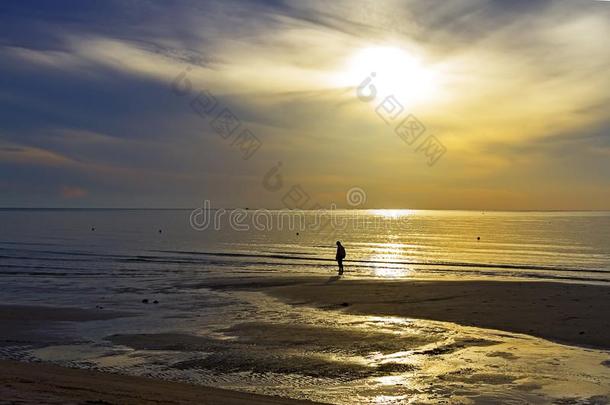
86	92
32	156
71	192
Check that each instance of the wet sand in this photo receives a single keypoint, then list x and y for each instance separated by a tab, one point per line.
39	383
35	383
25	313
378	357
29	324
564	313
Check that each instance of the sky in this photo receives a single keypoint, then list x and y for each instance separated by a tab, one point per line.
429	104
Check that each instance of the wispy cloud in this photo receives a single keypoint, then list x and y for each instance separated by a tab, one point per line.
72	192
85	89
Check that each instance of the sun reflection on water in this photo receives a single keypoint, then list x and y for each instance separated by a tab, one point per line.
384	260
393	214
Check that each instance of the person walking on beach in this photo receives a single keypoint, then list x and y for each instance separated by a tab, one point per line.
340	256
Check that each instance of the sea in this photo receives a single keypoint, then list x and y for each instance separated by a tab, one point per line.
194	265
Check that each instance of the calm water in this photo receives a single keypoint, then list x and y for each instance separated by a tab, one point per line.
554	245
116	258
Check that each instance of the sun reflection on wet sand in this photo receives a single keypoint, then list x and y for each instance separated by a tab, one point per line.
390	399
391	380
337	357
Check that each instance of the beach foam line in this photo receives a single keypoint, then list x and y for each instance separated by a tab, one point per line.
84	256
412	263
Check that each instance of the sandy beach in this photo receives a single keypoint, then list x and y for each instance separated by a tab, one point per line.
39	383
23	383
565	313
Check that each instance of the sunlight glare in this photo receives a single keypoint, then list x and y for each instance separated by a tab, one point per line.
396	72
393	214
384	262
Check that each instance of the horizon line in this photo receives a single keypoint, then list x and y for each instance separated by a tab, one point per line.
287	209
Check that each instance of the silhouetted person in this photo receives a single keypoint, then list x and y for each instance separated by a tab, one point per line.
340	256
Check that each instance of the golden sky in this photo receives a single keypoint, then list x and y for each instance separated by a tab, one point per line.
514	94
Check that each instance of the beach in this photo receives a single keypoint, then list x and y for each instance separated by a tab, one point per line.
560	312
426	313
305	202
556	311
34	383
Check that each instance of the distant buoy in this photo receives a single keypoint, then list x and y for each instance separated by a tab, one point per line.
92	228
160	231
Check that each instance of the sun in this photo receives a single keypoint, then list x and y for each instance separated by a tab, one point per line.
391	70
